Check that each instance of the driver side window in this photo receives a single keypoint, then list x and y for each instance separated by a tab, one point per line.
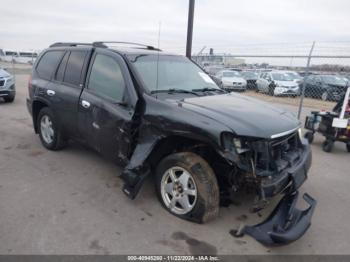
106	78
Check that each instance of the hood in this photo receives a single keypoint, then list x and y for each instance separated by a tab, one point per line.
245	116
286	83
3	73
233	79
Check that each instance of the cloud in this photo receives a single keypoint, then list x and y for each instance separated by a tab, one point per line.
222	24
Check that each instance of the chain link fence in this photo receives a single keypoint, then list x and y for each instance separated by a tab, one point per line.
301	77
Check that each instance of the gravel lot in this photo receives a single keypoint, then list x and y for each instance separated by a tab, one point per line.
70	202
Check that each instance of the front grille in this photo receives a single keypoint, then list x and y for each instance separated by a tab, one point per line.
277	154
2	82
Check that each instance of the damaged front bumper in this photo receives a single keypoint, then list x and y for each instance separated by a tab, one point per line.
285	224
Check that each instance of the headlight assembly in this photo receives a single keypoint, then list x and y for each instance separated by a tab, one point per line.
233	143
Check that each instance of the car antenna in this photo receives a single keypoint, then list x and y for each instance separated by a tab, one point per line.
160	23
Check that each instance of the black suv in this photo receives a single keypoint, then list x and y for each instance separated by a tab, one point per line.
160	114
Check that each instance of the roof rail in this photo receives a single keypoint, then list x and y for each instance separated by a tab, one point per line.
102	44
68	44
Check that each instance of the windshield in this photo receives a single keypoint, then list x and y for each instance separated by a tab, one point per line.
333	80
251	75
174	72
281	77
231	74
294	76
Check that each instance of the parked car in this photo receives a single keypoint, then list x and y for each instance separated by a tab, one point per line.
231	80
160	114
278	84
326	87
251	77
295	76
7	86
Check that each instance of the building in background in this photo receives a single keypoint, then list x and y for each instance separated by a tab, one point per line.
23	57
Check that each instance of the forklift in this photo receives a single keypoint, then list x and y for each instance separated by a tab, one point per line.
334	126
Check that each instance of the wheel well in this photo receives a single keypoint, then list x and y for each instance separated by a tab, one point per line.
174	144
37	106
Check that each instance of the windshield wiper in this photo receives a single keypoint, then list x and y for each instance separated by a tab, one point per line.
207	89
174	91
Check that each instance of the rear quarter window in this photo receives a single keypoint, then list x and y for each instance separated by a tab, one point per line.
48	64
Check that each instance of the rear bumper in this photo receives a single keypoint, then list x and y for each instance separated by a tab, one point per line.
285	224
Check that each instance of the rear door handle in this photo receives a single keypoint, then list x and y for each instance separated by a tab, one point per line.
50	92
85	103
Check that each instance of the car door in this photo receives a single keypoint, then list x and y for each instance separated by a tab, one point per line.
68	83
259	82
106	106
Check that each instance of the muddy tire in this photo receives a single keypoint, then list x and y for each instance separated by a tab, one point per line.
49	132
187	187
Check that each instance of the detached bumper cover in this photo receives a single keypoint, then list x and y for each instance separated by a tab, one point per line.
285	224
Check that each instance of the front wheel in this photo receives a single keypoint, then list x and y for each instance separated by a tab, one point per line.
327	145
187	187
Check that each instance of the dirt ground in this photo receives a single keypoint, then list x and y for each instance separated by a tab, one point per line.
70	202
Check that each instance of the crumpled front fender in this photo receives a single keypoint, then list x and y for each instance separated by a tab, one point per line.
285	224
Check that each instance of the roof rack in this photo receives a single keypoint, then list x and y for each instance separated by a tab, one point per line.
102	44
58	44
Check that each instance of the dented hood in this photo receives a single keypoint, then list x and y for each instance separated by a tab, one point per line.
245	116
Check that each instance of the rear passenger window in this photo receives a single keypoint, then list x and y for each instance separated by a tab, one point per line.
48	64
74	67
62	67
106	78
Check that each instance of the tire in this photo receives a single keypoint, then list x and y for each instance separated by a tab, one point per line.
327	146
348	147
9	99
271	90
205	196
309	136
325	96
56	141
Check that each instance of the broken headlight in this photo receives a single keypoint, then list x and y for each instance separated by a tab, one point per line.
234	143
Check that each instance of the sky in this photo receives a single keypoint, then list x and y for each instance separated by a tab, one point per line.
225	25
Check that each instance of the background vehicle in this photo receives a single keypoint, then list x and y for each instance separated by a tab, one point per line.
7	86
231	80
277	83
160	114
251	78
326	87
295	76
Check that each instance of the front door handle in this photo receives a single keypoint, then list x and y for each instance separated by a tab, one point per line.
85	103
50	92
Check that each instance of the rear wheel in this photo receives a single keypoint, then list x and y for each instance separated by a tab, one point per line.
49	132
327	145
309	136
187	187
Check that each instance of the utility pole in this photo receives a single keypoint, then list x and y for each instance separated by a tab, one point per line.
190	28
